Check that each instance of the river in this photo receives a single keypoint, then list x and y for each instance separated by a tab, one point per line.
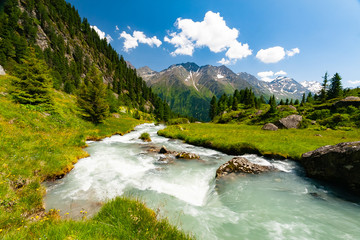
277	205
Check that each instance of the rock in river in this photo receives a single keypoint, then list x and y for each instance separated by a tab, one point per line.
339	164
186	155
240	165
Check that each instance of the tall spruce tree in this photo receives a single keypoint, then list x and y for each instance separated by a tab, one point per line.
33	83
213	107
92	97
335	89
323	91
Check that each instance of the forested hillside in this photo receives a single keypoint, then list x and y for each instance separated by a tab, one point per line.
69	47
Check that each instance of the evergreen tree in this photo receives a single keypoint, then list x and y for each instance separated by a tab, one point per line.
287	102
272	103
335	89
296	102
281	102
323	91
309	98
292	102
213	108
235	104
33	83
92	97
303	100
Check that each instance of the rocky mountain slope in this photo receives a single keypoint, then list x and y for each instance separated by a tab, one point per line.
188	88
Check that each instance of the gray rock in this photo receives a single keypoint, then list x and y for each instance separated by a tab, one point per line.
185	155
270	127
163	150
240	165
2	71
338	164
292	121
348	101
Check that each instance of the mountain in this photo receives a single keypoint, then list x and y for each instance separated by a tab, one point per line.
285	87
188	88
313	86
69	46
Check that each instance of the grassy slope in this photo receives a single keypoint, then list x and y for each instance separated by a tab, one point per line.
36	146
239	139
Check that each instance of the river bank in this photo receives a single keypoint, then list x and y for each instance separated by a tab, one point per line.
283	204
240	139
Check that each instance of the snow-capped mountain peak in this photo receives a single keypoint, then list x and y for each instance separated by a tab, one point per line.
312	86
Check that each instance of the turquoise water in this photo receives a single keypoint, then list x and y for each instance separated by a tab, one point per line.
277	205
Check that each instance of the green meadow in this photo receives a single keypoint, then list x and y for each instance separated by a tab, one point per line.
241	138
36	146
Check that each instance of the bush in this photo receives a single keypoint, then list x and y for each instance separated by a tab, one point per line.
145	137
177	121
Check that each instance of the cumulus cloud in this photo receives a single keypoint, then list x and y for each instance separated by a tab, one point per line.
275	54
356	82
280	73
117	28
132	41
292	52
271	55
268	76
212	32
102	34
224	61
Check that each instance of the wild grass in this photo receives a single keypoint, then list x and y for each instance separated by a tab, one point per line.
121	218
37	146
239	139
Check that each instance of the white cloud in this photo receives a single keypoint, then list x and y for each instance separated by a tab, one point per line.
275	54
212	32
280	73
132	41
224	61
238	51
108	38
183	45
271	55
102	34
292	52
117	28
266	76
356	82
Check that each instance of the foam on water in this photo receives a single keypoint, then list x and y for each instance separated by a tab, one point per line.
275	205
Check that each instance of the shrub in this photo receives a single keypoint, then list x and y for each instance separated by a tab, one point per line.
145	137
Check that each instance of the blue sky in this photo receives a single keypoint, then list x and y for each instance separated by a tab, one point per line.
301	39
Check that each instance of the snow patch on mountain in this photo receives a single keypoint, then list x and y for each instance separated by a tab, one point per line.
312	86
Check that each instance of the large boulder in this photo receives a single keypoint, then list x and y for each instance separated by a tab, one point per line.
291	121
270	127
339	164
2	71
240	165
348	101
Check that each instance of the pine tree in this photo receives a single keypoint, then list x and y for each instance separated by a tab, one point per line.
309	98
92	97
303	100
33	83
272	103
213	108
335	89
296	102
323	91
281	102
